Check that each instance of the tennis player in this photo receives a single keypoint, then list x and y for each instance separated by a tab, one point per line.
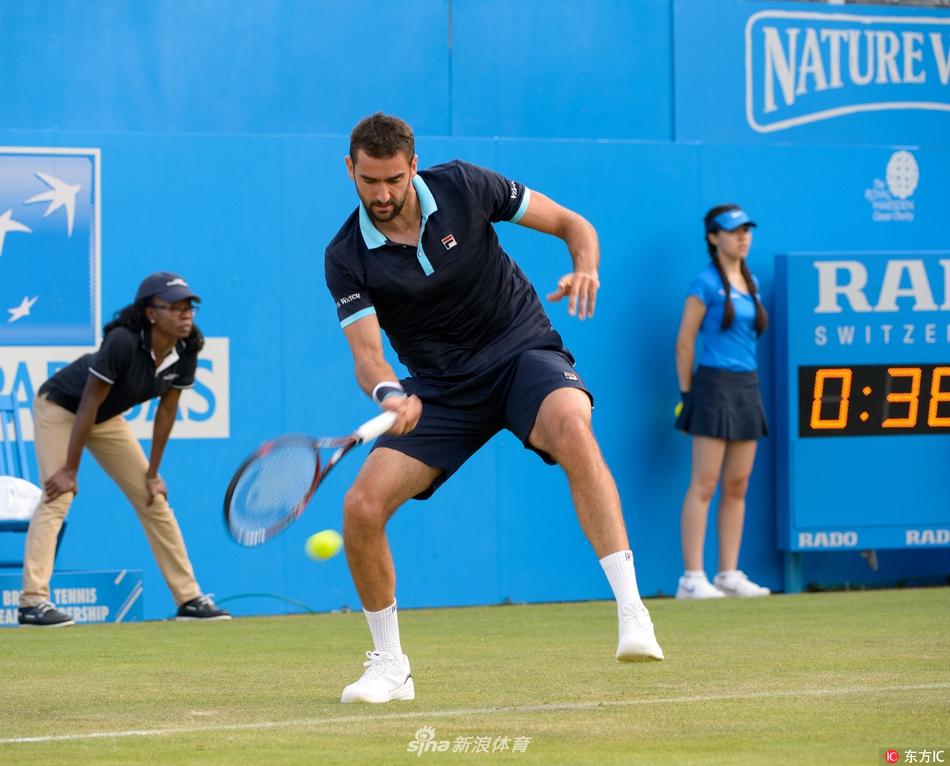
419	258
722	407
149	350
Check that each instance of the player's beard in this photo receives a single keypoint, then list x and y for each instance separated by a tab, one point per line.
397	207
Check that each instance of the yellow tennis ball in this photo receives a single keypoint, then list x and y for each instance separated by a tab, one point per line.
677	409
324	545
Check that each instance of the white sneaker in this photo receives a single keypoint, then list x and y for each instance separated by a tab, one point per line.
697	586
637	640
387	677
736	583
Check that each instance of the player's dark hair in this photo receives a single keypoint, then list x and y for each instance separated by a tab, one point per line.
382	136
728	311
133	318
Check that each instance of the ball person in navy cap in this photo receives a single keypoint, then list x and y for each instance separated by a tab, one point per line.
721	405
150	349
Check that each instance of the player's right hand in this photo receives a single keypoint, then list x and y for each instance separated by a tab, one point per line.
580	288
64	480
407	408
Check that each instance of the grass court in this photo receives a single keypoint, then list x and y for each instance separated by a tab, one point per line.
831	678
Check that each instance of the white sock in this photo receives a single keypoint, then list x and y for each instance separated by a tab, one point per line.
384	627
694	573
726	573
622	578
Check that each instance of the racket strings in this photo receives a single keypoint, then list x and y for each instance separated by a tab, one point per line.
274	486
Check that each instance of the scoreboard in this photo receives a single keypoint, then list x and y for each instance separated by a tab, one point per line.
862	400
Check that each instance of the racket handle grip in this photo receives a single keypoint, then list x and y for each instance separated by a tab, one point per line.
376	427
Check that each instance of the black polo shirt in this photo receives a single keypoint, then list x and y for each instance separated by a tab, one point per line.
125	361
456	305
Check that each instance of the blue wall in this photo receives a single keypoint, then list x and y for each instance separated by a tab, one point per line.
222	127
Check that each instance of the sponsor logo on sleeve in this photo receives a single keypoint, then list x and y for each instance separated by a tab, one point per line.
347	299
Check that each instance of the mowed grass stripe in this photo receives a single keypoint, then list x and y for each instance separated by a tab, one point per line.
472	712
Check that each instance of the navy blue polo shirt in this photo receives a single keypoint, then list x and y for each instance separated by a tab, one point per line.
456	304
125	362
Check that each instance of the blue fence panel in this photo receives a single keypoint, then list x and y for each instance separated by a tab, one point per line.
223	66
591	69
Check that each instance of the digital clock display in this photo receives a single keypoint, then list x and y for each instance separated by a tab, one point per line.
873	399
862	349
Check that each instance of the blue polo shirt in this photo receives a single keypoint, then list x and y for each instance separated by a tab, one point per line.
733	349
454	305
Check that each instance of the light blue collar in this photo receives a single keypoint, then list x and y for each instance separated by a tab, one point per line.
426	200
371	235
374	238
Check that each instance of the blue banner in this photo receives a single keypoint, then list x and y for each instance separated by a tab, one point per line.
887	306
49	247
807	66
744	70
100	596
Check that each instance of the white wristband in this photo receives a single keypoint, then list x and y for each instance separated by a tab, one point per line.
387	388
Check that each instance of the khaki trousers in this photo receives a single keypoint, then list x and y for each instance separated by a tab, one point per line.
116	449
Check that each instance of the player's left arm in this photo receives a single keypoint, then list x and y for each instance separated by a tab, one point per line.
580	286
161	430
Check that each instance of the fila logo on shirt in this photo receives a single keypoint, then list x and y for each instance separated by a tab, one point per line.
449	241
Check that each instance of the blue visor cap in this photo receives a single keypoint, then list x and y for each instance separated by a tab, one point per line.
730	221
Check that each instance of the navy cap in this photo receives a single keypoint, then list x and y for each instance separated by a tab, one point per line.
730	220
166	286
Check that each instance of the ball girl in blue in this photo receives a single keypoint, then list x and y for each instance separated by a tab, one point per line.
721	404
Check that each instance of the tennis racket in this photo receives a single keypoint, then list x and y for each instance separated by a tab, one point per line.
272	487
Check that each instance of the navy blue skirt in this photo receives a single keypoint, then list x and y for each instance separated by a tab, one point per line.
724	405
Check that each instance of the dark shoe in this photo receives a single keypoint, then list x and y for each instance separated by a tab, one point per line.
43	615
201	608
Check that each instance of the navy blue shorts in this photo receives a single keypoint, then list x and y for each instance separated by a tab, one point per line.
449	433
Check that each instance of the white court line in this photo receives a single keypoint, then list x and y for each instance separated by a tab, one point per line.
345	719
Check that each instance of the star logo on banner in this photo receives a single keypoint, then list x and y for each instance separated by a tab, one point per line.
23	309
61	194
7	224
